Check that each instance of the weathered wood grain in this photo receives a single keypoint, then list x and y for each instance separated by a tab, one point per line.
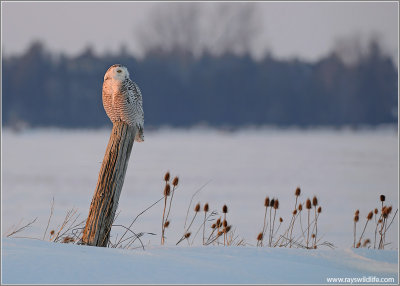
109	185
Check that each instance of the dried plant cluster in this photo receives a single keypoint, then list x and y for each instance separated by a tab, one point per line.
383	221
307	235
167	193
71	231
221	228
271	204
220	232
213	226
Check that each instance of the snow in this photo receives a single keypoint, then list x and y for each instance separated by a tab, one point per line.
53	263
346	169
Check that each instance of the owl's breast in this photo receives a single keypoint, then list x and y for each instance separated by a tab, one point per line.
111	99
114	88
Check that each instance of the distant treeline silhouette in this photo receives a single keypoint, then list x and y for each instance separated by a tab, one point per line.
41	89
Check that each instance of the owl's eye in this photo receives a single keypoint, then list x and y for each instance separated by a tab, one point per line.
119	71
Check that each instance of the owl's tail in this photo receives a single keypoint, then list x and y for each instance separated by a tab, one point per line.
139	135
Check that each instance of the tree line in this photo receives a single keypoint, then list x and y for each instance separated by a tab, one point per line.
179	89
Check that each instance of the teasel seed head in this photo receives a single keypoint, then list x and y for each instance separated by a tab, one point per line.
224	223
319	209
272	202
385	212
370	215
366	241
315	247
227	229
276	204
167	190
166	224
175	181
280	219
220	233
166	176
300	207
382	197
225	209
206	207
356	218
294	212
68	239
266	202
357	212
380	221
308	204
213	226
389	210
52	232
218	222
315	201
187	235
197	208
375	211
297	192
260	236
313	235
358	245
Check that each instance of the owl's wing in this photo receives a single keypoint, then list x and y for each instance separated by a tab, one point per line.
136	107
135	95
139	98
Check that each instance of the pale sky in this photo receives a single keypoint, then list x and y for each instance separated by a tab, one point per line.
307	30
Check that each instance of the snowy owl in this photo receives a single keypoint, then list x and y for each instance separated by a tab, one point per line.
122	99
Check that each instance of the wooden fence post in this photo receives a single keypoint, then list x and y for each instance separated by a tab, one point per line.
109	184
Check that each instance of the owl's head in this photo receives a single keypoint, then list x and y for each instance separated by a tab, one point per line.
118	72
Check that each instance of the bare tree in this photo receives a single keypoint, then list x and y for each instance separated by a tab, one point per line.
234	27
171	26
354	48
195	28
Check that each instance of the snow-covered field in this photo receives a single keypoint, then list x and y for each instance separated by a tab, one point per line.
30	261
347	170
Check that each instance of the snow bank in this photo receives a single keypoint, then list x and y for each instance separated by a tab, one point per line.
38	262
